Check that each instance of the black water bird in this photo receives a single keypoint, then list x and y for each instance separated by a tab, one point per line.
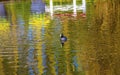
63	39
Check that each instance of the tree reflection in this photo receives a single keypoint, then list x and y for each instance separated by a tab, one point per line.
33	45
102	51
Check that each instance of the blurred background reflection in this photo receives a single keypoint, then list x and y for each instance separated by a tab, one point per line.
30	37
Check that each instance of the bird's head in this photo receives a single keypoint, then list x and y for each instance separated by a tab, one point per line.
61	35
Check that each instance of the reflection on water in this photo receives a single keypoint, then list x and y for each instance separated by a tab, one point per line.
2	10
30	39
75	6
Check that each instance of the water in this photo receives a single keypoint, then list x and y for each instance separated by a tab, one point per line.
30	38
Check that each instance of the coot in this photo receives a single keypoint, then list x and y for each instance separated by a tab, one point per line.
63	39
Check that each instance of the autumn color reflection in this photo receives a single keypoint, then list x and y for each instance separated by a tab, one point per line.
30	39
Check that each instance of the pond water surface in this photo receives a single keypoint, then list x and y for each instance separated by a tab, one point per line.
30	39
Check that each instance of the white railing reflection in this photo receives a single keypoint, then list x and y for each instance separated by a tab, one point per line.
51	9
74	8
84	6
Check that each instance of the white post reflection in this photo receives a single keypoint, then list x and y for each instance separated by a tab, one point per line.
51	8
74	8
84	6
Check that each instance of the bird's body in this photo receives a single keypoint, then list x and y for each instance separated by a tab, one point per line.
63	39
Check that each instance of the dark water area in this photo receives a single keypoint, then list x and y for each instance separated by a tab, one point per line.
30	37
